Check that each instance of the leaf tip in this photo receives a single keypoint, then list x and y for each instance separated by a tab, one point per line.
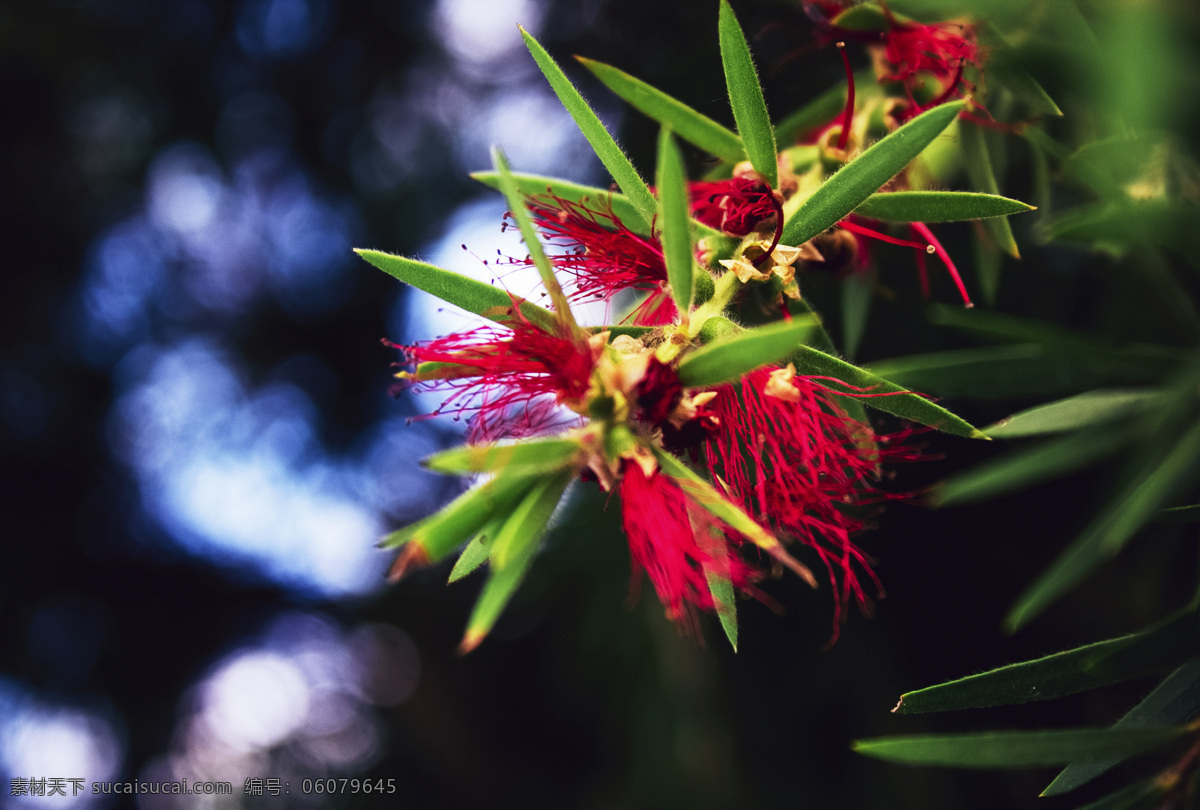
471	639
412	557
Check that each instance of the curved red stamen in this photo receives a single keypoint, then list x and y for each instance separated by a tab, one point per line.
923	230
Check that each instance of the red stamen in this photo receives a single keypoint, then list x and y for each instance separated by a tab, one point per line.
923	230
861	230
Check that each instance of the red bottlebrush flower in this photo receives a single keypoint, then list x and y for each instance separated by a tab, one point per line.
604	257
797	463
511	379
736	206
914	50
676	542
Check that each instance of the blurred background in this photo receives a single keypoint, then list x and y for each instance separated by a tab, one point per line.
201	446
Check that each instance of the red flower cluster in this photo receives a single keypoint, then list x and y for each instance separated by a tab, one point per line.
511	380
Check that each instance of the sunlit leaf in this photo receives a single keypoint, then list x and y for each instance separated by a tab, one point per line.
863	176
746	97
1173	702
674	222
1156	649
589	124
534	456
476	552
938	206
882	394
597	199
1015	749
473	296
516	206
729	358
692	126
512	551
1158	479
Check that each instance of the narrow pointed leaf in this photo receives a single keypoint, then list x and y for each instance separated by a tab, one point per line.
729	358
538	456
746	97
1113	527
1073	413
476	552
983	178
938	206
857	291
997	371
882	394
692	126
589	124
863	176
518	540
431	539
1023	468
724	599
713	501
1173	702
1179	514
868	17
1156	649
675	222
1015	749
1144	795
473	296
516	206
595	198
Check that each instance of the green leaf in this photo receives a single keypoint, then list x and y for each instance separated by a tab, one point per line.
516	206
535	456
1009	328
1156	649
708	498
730	357
1073	413
996	371
938	206
1015	749
882	394
1180	514
431	539
1143	795
983	178
1117	522
476	552
867	17
689	124
596	199
589	124
721	589
512	552
674	222
473	296
857	291
1032	465
746	97
863	176
1173	702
